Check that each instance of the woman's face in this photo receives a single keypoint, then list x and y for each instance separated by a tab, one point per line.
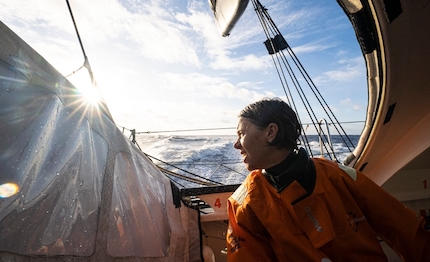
253	145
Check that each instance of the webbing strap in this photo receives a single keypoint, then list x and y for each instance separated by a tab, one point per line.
350	171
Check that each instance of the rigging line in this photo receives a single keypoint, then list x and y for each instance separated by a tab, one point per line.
261	12
301	67
315	90
259	9
75	71
86	62
283	58
311	84
124	128
102	104
304	136
215	171
294	80
231	169
186	130
273	48
173	181
347	122
297	85
304	99
190	179
226	128
226	167
165	171
208	163
76	28
266	14
183	169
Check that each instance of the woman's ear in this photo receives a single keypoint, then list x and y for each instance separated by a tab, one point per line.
272	132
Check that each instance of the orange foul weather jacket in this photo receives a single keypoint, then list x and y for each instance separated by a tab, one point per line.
338	221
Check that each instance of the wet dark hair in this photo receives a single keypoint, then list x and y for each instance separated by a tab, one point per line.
266	111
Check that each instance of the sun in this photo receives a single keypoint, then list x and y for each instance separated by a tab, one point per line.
90	92
91	95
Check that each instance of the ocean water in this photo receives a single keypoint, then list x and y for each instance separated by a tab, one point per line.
213	159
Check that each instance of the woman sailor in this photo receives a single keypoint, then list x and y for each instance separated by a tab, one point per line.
295	208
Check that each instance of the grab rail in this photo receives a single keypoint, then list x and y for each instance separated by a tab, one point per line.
330	144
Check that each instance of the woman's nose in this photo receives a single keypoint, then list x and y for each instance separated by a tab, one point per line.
237	144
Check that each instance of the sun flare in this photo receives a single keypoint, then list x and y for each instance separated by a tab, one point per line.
92	95
8	190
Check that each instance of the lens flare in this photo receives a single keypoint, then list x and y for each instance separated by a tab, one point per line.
92	95
8	190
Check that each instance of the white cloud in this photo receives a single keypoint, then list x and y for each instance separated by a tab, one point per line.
206	86
244	63
350	104
179	115
351	69
217	48
311	47
162	64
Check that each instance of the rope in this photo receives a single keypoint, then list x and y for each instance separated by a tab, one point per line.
74	72
190	179
183	170
280	60
214	128
262	14
186	130
86	64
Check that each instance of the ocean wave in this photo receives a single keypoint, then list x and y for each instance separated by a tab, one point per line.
214	157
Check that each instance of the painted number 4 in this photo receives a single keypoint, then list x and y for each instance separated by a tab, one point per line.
217	203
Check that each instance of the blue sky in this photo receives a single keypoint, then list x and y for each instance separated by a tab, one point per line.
162	65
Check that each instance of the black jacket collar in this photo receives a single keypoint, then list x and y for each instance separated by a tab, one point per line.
297	166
